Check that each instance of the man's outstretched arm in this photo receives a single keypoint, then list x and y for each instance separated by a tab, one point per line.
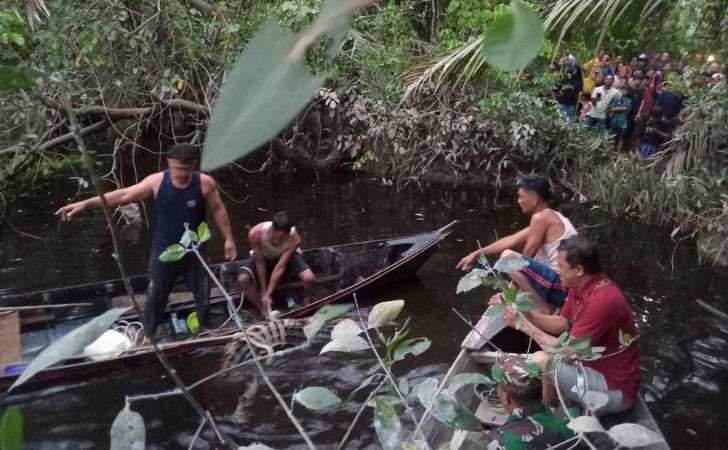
510	242
135	193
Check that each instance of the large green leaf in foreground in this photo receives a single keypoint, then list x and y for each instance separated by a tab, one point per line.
70	345
514	38
264	91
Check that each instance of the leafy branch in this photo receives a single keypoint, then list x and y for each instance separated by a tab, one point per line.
430	394
491	276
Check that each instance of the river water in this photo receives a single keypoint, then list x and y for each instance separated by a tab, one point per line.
685	349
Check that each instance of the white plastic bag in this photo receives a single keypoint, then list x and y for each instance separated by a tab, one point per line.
109	345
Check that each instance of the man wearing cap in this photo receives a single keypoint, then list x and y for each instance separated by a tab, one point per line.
537	242
181	197
530	424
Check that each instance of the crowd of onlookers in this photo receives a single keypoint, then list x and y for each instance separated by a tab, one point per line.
632	99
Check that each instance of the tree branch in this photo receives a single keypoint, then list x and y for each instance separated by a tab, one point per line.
132	113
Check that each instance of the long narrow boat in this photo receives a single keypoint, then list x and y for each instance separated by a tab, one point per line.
493	332
342	270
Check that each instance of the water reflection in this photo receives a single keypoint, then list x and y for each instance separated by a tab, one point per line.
685	349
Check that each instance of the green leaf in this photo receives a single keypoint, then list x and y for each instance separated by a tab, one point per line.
316	398
412	347
403	386
581	343
524	302
463	379
322	316
127	431
510	294
553	361
345	329
173	253
365	382
564	337
533	368
188	237
471	280
496	372
585	424
510	263
384	312
346	344
11	429
71	344
449	411
494	310
594	400
203	232
399	336
425	392
631	435
265	90
514	38
387	425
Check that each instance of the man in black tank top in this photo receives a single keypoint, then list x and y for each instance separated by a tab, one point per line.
180	195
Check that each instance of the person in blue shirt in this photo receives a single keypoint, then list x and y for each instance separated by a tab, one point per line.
181	196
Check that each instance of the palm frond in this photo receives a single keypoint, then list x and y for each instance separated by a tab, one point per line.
564	14
465	61
34	9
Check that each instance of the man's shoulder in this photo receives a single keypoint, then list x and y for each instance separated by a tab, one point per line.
207	181
607	293
153	181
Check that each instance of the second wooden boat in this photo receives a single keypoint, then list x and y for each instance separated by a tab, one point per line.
342	270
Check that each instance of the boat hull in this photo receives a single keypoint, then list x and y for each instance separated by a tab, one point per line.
359	268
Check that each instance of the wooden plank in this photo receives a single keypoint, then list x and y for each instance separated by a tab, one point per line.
10	349
123	301
41	307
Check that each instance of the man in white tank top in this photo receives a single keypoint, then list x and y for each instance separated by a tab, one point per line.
538	242
275	259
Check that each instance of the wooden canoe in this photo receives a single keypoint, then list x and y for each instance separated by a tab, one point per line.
475	357
343	270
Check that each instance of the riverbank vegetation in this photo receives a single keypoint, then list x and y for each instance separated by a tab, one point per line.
411	97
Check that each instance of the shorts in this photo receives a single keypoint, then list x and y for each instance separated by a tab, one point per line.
295	266
545	281
575	378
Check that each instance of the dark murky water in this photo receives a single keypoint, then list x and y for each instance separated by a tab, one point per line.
685	349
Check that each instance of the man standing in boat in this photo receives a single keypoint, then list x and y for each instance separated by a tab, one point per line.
595	308
538	241
181	195
275	258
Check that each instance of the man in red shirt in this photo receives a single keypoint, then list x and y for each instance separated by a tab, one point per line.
595	307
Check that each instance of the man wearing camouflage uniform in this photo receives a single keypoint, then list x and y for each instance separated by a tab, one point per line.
531	425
